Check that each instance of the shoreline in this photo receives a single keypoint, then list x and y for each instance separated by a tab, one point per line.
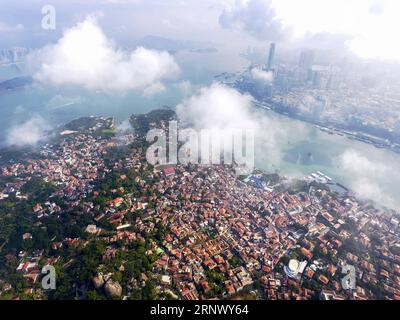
351	135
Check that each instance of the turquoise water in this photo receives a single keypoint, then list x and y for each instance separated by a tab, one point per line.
59	105
372	173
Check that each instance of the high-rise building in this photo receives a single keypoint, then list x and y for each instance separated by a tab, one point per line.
306	60
305	66
271	57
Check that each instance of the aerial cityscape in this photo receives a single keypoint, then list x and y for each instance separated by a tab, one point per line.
196	151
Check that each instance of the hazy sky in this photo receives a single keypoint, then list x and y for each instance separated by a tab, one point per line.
369	27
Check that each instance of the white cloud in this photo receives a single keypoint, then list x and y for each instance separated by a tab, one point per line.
122	130
223	108
124	127
28	133
185	87
4	27
153	89
370	178
257	17
367	28
261	75
85	57
60	101
371	25
217	107
19	109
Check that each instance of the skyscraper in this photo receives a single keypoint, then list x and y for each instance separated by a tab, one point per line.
305	65
306	60
271	57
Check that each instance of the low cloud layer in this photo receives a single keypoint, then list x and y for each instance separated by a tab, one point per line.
60	101
256	17
85	57
217	107
370	178
4	27
28	133
262	76
223	108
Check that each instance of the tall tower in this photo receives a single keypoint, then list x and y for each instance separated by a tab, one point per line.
306	59
271	56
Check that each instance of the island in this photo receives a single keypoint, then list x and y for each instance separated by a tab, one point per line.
87	203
